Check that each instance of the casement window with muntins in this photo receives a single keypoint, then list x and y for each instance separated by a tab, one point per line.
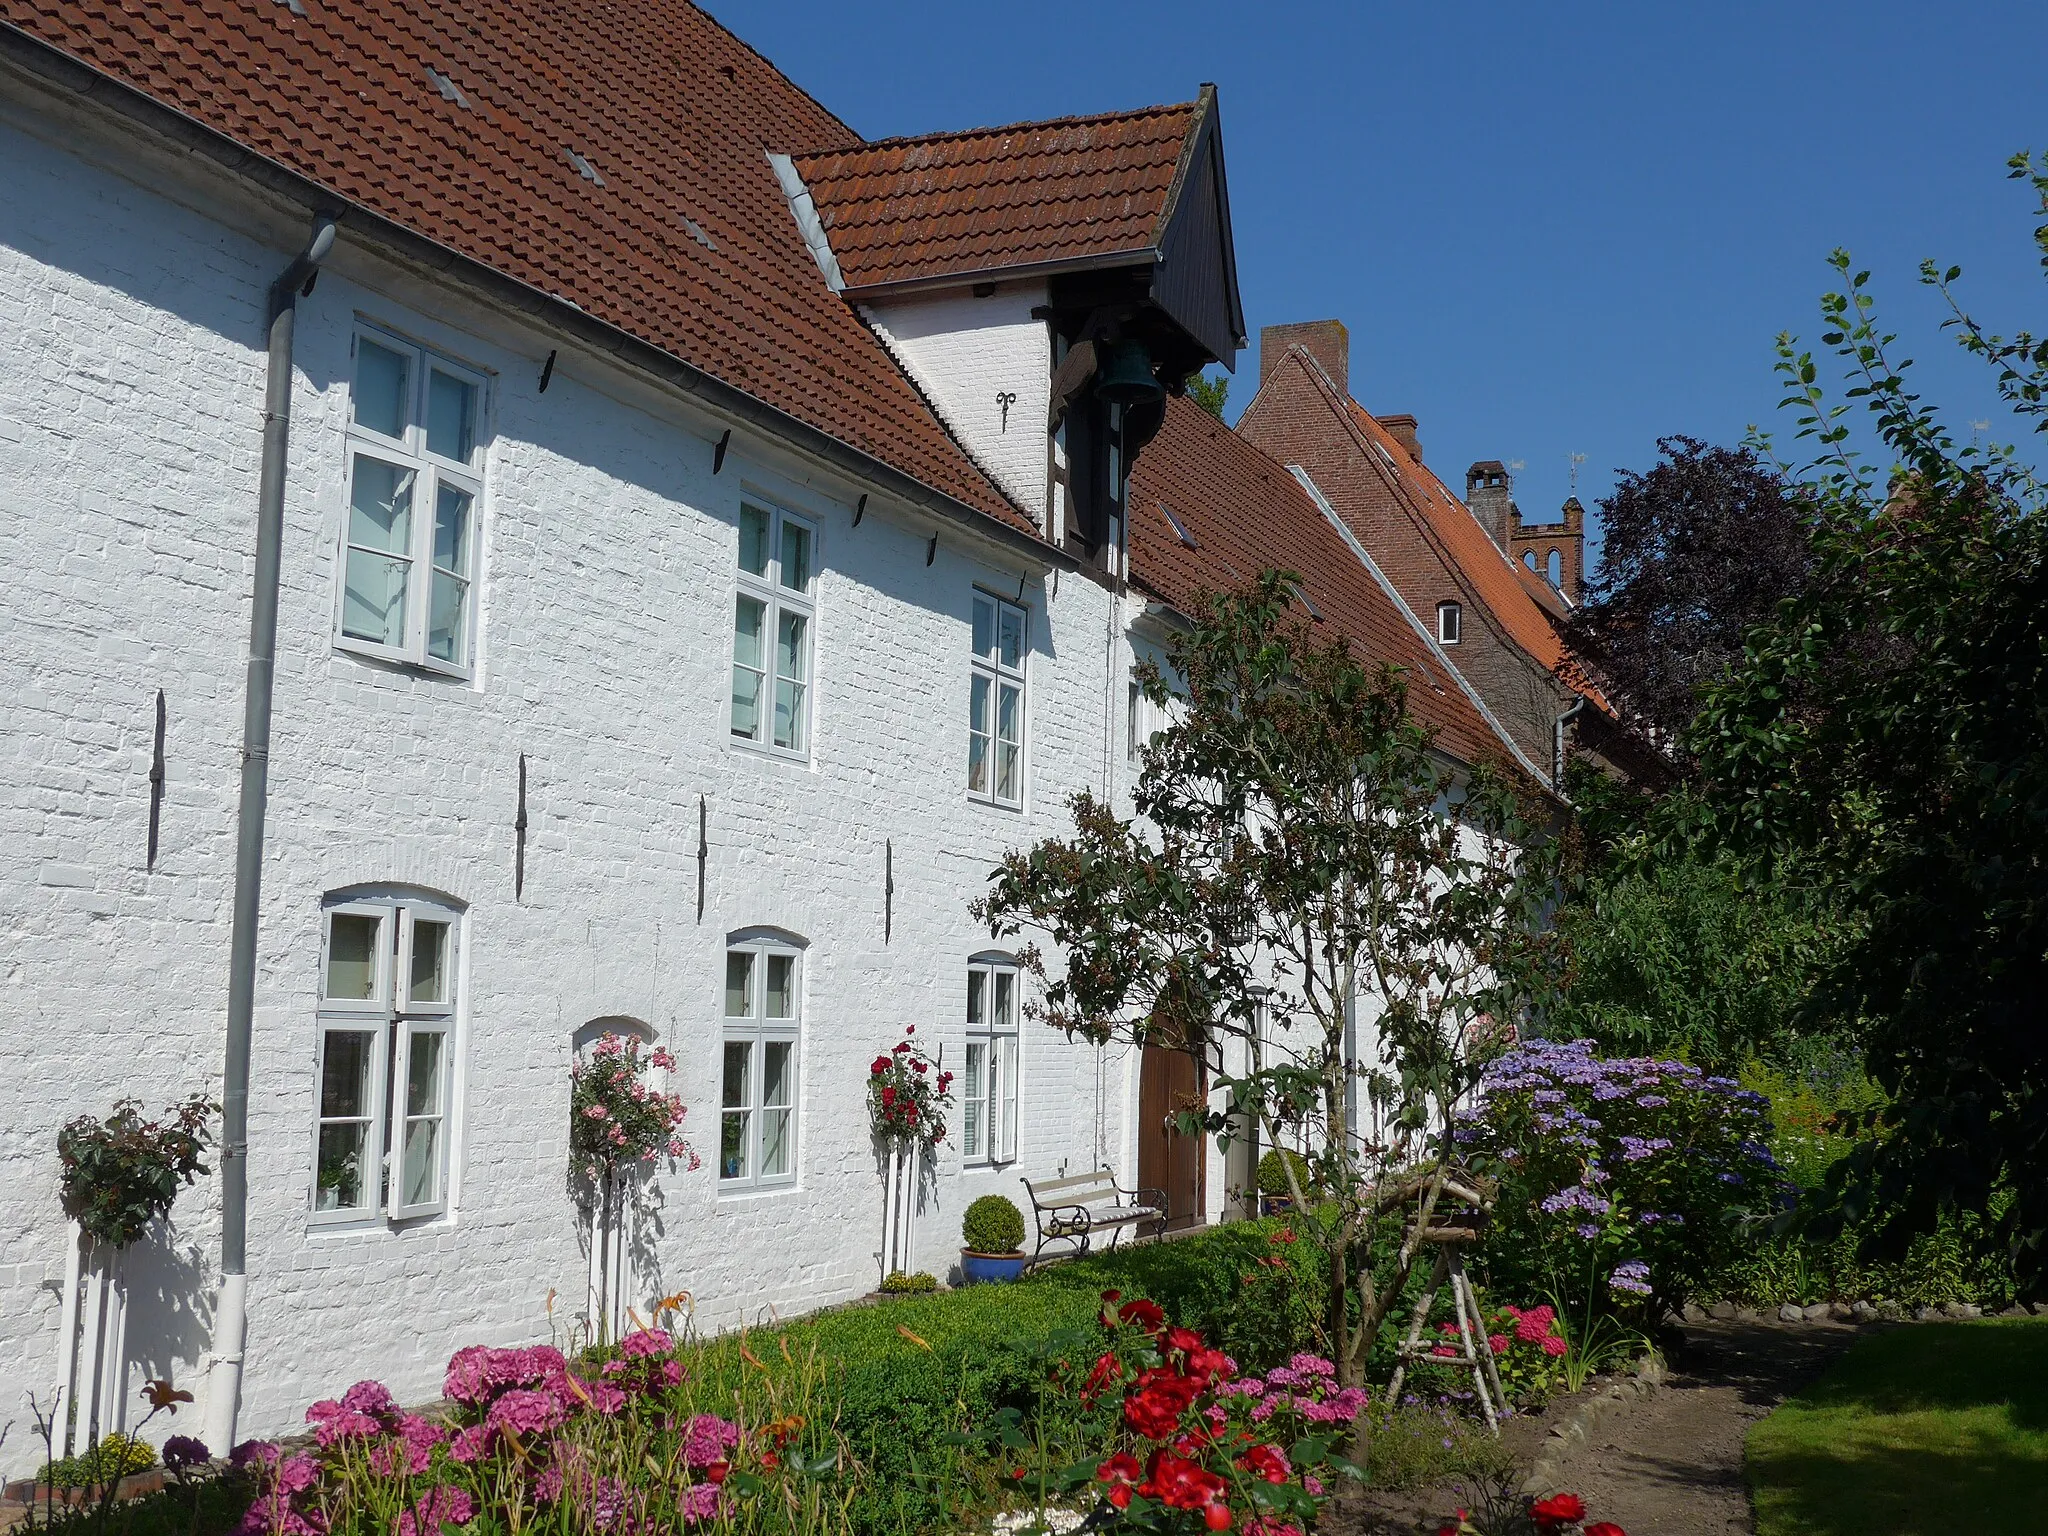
995	706
988	1080
773	609
415	488
386	1059
757	1093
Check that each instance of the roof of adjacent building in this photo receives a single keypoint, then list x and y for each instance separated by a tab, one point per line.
613	156
1243	514
1492	574
1039	195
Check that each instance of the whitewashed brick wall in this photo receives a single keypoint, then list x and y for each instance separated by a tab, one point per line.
131	373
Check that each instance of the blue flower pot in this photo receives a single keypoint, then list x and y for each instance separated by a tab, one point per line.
989	1268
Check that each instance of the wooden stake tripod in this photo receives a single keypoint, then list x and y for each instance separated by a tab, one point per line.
1474	1353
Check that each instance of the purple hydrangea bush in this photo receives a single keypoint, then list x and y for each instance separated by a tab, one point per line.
1624	1180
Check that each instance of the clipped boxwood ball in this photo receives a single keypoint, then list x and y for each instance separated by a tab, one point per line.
993	1225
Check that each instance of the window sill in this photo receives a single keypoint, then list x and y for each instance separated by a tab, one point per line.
748	1192
994	804
389	660
337	1225
771	752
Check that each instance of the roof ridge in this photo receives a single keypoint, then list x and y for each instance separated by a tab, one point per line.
896	141
773	68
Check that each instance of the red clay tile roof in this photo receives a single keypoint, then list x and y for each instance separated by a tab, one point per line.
1491	573
950	204
688	244
1247	514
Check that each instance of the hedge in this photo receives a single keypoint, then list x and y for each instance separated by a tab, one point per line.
912	1370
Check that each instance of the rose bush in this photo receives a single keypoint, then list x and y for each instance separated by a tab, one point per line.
121	1173
908	1096
615	1118
1624	1181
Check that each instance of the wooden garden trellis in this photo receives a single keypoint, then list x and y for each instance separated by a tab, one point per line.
1450	1234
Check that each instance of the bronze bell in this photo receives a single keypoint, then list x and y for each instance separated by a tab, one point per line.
1125	376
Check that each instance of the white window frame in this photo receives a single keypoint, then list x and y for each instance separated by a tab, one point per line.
757	1032
777	599
430	472
989	1138
1450	622
397	1022
988	678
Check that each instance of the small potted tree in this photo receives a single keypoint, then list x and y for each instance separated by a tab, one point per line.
993	1232
1275	1193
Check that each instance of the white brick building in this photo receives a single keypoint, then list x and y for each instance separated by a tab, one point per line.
624	374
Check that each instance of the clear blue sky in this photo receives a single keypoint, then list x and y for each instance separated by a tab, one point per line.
1552	227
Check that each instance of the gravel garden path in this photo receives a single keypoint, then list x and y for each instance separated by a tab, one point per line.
1669	1464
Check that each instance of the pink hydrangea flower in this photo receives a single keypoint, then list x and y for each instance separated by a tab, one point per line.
701	1502
708	1439
441	1507
1553	1345
471	1444
524	1412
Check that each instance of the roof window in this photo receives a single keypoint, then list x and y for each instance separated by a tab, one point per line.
584	168
1180	529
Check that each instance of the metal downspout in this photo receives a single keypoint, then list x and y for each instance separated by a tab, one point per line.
1564	718
230	1318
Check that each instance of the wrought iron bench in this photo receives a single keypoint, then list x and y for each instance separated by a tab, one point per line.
1074	1209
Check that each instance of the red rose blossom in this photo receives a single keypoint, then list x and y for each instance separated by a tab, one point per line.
1558	1509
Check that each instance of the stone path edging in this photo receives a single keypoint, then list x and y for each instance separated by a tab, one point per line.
1571	1432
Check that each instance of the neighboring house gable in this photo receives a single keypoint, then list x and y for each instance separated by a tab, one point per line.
1424	539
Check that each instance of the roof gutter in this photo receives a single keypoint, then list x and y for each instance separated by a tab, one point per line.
230	1316
54	67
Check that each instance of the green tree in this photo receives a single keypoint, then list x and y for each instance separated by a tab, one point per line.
1301	859
1891	725
1210	392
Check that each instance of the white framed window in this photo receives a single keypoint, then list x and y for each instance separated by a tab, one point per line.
384	1077
988	1079
773	611
410	533
1450	621
995	705
757	1101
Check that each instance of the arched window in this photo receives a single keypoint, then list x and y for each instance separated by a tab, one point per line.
1556	570
386	1066
757	1120
1449	623
988	1076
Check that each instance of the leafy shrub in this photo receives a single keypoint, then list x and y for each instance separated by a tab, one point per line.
113	1458
121	1173
1415	1444
897	1283
1256	1287
1273	1172
1624	1181
993	1224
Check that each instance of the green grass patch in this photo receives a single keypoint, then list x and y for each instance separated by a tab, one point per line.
1921	1431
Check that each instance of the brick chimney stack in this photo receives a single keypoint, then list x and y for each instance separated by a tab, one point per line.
1401	429
1488	494
1324	340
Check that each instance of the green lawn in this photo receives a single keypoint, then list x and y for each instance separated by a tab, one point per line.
1922	1431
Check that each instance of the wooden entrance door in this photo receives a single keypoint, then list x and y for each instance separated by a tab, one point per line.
1170	1081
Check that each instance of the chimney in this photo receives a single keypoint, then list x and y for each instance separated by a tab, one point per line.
1487	494
1324	340
1401	429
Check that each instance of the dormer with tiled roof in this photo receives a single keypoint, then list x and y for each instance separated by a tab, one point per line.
1048	286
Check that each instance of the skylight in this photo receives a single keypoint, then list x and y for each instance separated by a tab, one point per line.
1313	611
697	233
1180	529
584	168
